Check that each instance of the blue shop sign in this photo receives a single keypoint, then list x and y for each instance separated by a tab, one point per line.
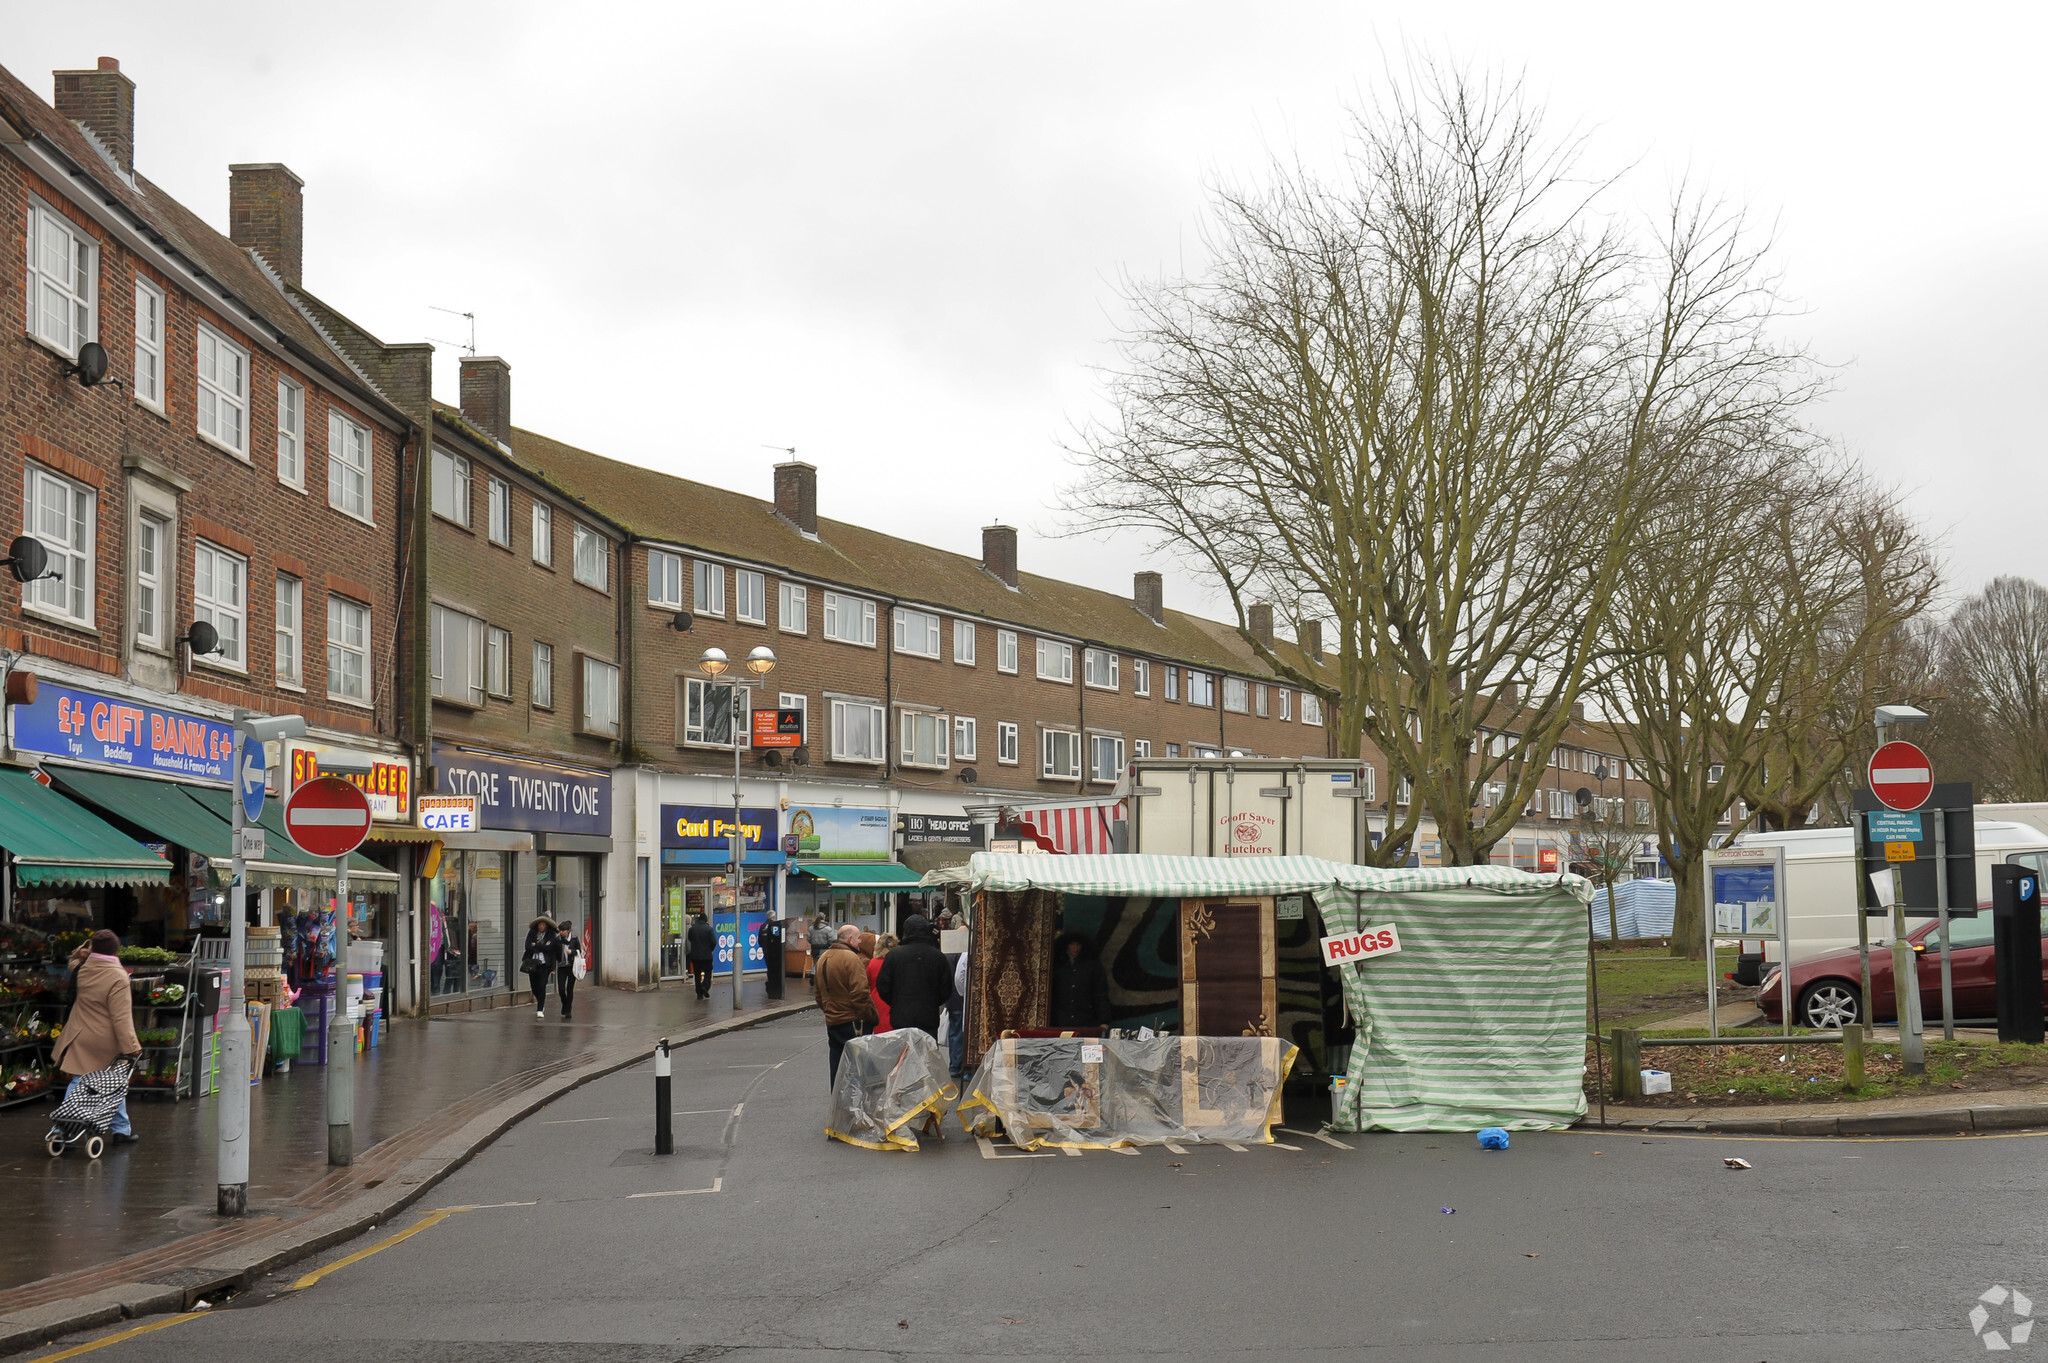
531	797
701	834
112	731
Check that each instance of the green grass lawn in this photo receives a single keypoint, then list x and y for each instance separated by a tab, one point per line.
1647	984
1706	1076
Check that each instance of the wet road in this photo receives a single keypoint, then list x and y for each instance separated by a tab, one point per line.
760	1240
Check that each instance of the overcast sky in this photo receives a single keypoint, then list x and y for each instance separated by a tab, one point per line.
890	235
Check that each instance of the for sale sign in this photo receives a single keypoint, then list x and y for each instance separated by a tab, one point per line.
1367	944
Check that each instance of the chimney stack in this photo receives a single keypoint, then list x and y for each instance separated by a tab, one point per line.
999	553
487	396
104	101
1148	593
1578	712
1309	634
796	495
267	214
1262	623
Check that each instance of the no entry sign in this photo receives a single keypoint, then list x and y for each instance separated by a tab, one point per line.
1901	776
327	817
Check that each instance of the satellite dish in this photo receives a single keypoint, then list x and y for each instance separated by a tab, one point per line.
1600	772
1582	797
91	368
681	622
800	756
968	776
202	638
27	559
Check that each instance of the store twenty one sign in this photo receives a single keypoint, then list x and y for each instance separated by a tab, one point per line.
527	796
112	731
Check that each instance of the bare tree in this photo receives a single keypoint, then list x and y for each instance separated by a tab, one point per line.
1992	718
1432	401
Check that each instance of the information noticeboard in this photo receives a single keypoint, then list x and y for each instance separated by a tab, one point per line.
1745	901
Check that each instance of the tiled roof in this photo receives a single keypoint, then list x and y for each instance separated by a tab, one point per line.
182	231
661	506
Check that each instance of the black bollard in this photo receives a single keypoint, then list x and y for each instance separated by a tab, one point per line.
664	1135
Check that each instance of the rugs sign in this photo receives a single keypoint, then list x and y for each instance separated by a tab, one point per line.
1347	948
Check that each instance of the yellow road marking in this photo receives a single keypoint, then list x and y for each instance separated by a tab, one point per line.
429	1220
125	1334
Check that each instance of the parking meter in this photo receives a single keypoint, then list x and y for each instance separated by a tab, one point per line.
2016	941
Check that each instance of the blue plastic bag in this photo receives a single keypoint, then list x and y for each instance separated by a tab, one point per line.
1493	1138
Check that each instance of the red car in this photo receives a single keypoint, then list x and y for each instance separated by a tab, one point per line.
1827	990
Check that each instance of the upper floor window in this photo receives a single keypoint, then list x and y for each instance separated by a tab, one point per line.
1141	679
451	487
710	584
1141	747
285	658
600	710
543	676
543	534
963	642
348	649
1259	702
59	512
860	731
792	608
1105	758
1006	743
1055	660
1201	688
149	344
1099	668
348	466
1059	755
1006	650
710	709
220	597
455	656
593	559
223	392
665	580
1286	703
924	738
1172	683
749	597
1311	708
1236	695
498	663
151	534
917	632
63	282
500	512
291	434
966	743
849	619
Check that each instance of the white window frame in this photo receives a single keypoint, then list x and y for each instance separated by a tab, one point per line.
74	294
873	719
291	434
218	609
702	695
963	642
966	739
1372	781
453	484
349	457
1098	745
1054	744
455	656
1172	676
1311	709
1286	704
149	345
591	559
1006	651
664	579
1238	690
749	597
707	588
288	656
792	608
597	706
543	543
915	726
221	409
1261	704
542	689
153	539
1201	688
498	663
838	608
797	700
498	512
914	632
1091	668
1061	655
1141	747
348	636
1006	743
1173	750
1141	678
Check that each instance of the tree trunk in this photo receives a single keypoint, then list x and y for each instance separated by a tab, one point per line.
1688	920
1613	918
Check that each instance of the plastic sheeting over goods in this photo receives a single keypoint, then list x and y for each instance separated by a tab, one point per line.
1071	1091
886	1082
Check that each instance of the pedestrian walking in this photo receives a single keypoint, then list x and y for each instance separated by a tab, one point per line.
956	1021
568	965
881	947
821	935
914	980
100	1029
537	959
1080	991
839	982
700	945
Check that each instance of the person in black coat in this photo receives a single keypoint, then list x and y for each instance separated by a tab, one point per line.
700	944
537	959
1080	991
915	980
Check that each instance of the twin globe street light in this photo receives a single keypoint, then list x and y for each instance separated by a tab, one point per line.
715	664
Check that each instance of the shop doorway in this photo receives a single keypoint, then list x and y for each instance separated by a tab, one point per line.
565	891
732	911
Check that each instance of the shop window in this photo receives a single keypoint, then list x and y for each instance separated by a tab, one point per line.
152	534
964	741
708	713
749	597
544	676
1006	743
923	738
348	466
220	597
592	565
498	663
792	608
291	434
543	534
149	344
1055	661
963	642
501	512
665	580
1059	754
59	512
849	619
1006	651
859	731
456	656
1105	758
451	487
1236	695
290	631
917	632
63	282
1099	668
469	939
600	702
348	649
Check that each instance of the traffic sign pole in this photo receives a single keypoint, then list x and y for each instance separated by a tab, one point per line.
232	1194
341	1036
1948	989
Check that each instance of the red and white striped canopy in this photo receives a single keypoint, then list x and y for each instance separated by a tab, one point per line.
1076	829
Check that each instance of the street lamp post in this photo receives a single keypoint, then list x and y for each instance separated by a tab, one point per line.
714	663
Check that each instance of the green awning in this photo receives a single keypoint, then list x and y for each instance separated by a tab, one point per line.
863	875
57	842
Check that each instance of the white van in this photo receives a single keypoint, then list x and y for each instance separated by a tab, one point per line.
1821	892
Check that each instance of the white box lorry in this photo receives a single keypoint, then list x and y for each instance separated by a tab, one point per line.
1248	807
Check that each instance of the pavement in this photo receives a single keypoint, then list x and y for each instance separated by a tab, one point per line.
759	1241
135	1231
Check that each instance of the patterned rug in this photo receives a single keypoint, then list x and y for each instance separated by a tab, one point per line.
1009	974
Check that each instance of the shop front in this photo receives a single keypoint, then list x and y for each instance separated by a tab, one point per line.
541	834
697	878
845	866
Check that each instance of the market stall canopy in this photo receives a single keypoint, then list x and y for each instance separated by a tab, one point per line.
863	875
1130	874
1077	830
58	842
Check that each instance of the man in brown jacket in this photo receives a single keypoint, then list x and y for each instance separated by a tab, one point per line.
839	982
101	1027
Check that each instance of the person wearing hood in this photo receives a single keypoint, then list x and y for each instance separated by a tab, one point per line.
915	980
100	1028
1080	991
701	946
537	959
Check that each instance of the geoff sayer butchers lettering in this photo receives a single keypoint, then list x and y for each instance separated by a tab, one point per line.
537	794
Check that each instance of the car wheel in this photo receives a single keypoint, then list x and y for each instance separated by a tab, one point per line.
1830	1005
